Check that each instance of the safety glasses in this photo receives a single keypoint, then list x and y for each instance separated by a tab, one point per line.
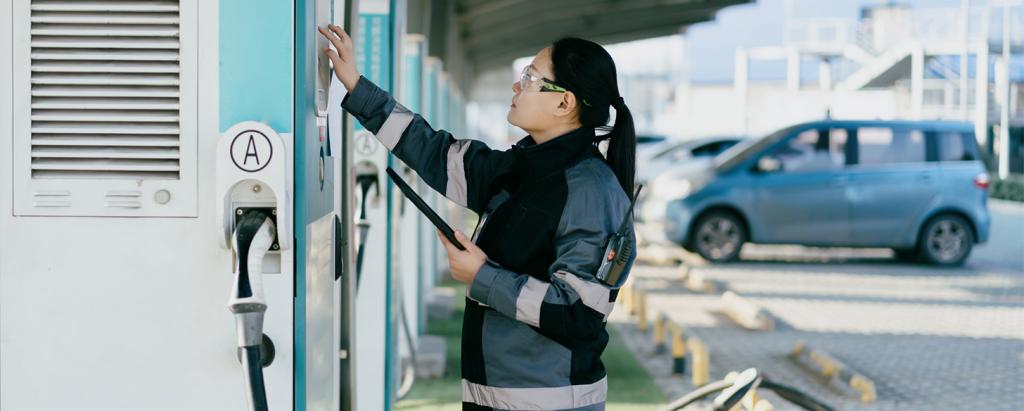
527	80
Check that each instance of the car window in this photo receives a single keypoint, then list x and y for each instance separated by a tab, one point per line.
954	146
648	139
704	150
671	152
877	145
813	150
714	149
745	149
710	149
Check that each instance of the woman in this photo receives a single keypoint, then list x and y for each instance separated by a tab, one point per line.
534	325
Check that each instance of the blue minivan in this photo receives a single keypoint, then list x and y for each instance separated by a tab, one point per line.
918	187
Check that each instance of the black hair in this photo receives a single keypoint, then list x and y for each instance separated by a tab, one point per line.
586	69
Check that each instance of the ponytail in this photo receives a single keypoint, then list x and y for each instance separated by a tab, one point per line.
587	70
621	155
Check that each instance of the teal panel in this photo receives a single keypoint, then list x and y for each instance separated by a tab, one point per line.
313	198
431	100
304	20
442	106
255	75
411	81
373	49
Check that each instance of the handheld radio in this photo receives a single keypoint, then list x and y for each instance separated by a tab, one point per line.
617	250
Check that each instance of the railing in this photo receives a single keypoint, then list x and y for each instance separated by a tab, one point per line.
942	100
941	26
820	33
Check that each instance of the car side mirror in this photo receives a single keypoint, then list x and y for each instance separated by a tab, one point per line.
768	164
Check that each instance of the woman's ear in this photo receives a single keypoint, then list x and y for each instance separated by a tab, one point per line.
567	106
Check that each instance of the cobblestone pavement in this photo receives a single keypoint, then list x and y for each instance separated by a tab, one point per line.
930	339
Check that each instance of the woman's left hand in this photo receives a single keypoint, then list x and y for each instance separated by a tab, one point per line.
464	264
343	56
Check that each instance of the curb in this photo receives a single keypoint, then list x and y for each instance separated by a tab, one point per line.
834	373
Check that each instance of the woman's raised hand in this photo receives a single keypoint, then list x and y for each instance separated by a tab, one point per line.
343	55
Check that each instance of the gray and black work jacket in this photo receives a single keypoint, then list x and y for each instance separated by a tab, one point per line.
534	325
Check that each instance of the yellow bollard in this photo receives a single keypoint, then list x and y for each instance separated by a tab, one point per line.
763	405
634	300
753	402
659	334
701	361
864	386
641	311
678	351
627	298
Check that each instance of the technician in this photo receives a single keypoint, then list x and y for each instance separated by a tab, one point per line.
534	325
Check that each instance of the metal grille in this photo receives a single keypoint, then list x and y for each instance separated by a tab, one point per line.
105	89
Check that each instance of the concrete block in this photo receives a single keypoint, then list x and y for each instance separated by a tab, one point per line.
745	313
441	303
431	357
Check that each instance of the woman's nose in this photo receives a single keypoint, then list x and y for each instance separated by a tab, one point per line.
515	87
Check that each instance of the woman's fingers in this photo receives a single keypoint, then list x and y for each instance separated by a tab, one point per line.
470	247
342	55
331	54
331	37
341	33
344	42
447	244
348	51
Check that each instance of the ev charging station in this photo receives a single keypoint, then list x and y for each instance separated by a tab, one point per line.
188	220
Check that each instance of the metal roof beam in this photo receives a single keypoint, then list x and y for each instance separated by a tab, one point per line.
536	37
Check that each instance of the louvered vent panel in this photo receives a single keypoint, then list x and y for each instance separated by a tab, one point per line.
105	89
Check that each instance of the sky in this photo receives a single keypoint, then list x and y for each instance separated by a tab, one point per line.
710	46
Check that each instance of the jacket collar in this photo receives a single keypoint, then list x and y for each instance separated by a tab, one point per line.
542	160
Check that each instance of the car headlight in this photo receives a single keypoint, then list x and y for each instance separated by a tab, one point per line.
670	189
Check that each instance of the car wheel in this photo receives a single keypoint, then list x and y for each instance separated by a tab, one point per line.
718	237
946	240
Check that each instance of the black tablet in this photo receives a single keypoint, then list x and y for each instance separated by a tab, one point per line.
427	211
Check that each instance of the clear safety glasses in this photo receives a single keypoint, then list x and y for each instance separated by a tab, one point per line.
528	81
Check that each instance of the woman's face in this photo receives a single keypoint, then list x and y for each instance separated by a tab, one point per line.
533	110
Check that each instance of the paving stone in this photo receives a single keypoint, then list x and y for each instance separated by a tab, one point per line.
930	339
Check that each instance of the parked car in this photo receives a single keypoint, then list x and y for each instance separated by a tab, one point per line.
648	144
919	188
673	153
645	139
